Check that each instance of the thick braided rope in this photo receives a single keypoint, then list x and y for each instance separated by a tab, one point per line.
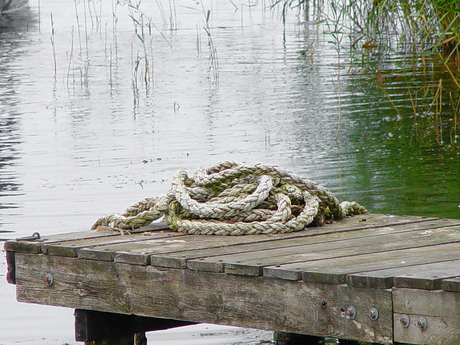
226	170
236	199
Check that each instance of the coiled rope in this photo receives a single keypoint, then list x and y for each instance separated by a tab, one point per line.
237	199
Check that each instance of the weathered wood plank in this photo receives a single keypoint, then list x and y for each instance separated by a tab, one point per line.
451	284
426	302
364	221
440	330
196	246
180	258
96	325
252	263
335	271
11	267
138	252
71	248
440	309
35	246
257	302
427	276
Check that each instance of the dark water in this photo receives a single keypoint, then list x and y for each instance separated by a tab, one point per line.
87	128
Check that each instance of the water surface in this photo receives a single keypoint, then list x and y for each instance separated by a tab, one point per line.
87	128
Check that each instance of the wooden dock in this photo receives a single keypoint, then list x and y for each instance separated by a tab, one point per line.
375	278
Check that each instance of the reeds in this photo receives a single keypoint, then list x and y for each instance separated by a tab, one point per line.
213	67
416	24
415	40
53	45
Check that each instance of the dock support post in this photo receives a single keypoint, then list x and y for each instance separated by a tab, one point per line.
283	338
136	339
101	328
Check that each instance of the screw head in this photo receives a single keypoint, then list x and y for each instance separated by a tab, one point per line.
350	313
373	314
422	323
49	280
404	320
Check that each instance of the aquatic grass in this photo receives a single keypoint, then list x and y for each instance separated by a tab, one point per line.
78	24
137	16
213	67
72	29
172	15
421	38
53	45
387	26
162	12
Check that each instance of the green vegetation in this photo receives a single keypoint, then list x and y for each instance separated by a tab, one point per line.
418	26
407	49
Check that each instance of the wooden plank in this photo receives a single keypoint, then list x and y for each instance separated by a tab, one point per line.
137	252
451	284
426	302
335	271
441	309
196	246
440	330
426	276
252	263
258	302
71	248
363	221
11	267
371	221
180	258
35	246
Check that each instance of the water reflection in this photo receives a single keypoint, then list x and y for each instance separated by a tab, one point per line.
13	35
407	157
94	133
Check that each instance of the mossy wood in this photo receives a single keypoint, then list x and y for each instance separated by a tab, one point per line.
353	279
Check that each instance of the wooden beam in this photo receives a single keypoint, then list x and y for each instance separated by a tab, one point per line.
11	270
194	296
426	317
91	325
283	338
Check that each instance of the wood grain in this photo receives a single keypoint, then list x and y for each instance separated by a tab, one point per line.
257	302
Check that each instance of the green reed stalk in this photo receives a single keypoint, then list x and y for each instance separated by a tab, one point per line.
54	46
71	55
214	66
78	24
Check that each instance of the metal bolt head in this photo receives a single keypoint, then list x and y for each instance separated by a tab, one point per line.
49	280
404	320
373	314
350	313
422	323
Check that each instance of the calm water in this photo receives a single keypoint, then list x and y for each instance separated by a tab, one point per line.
88	128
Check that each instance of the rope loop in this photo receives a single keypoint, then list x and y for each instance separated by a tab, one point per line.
231	198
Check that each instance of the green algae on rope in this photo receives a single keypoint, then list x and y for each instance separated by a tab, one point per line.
231	198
